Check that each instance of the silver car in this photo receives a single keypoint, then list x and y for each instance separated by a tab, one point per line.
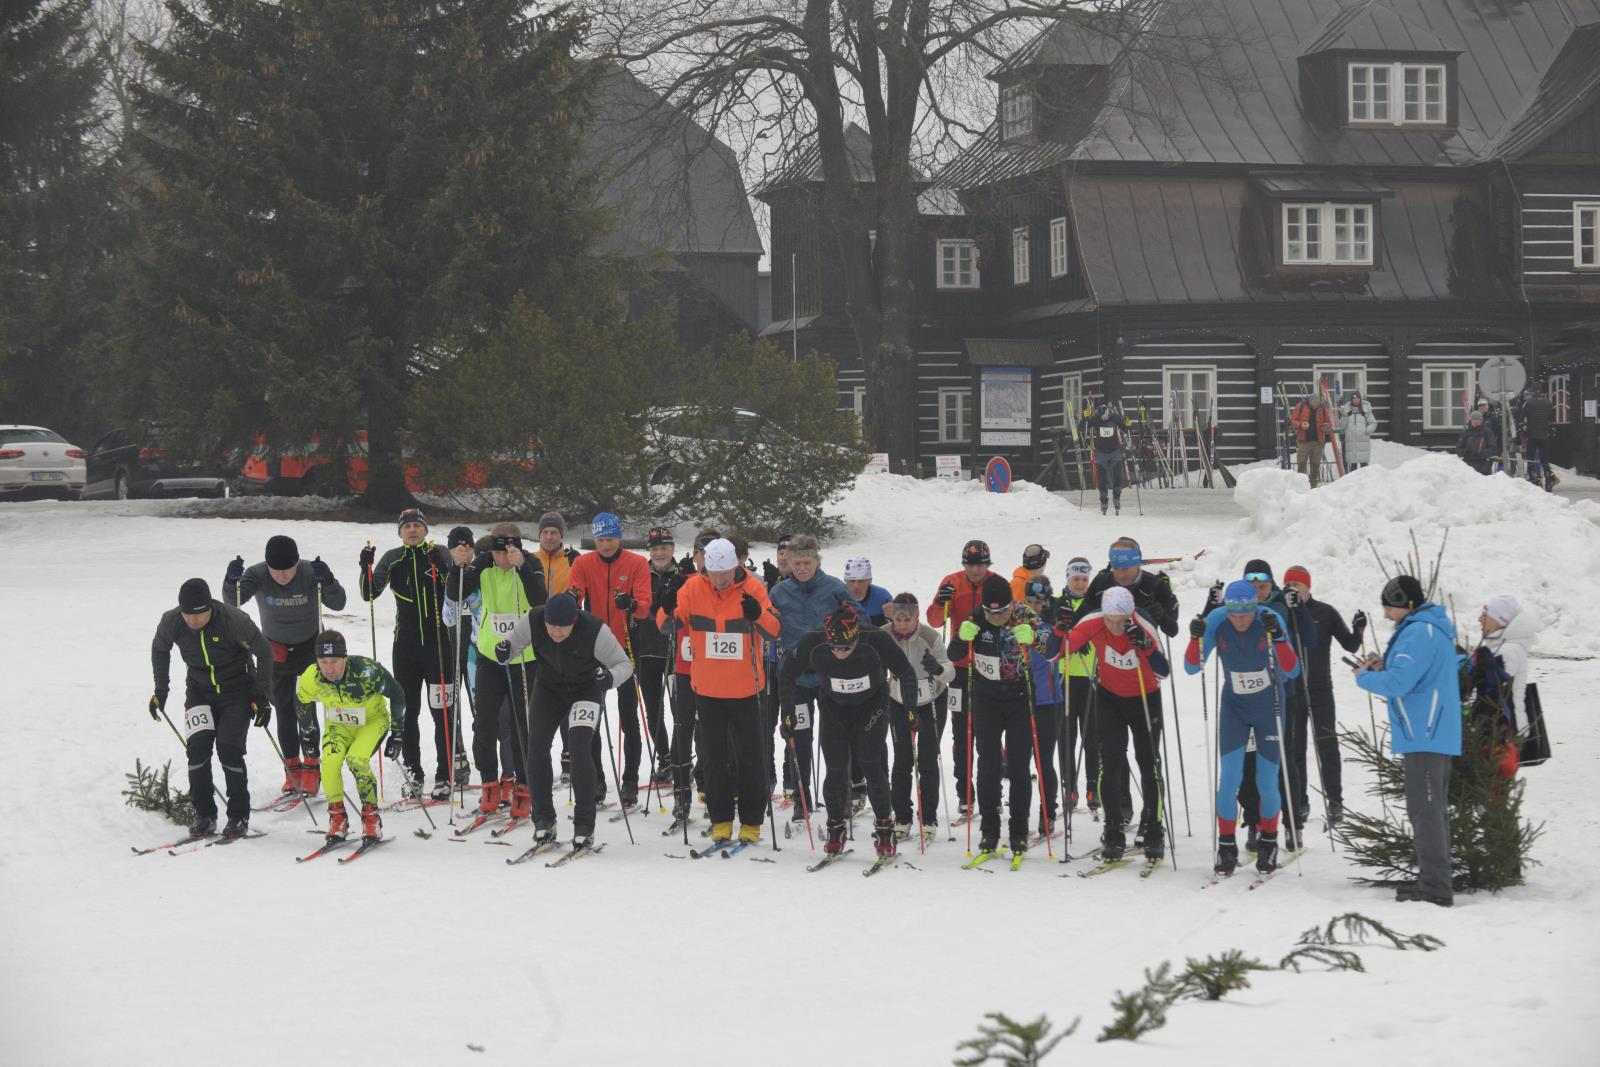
35	461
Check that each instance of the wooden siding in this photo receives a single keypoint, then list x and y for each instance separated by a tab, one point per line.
1545	222
1237	397
1293	362
1473	349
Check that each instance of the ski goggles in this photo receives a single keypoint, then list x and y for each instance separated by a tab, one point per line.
1258	576
1123	558
1084	569
1000	610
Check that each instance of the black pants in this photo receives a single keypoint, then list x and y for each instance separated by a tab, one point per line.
684	720
551	707
632	739
494	704
1112	476
1047	721
230	714
295	737
652	673
925	767
803	701
415	664
1001	723
735	720
1117	718
960	703
853	743
1321	720
1078	722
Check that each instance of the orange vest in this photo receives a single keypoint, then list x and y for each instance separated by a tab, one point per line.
557	569
728	660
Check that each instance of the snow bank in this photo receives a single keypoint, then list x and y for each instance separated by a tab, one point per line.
1505	536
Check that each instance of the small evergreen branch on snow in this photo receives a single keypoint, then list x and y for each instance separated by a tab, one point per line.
1215	976
1335	959
1355	927
1143	1010
151	790
1005	1041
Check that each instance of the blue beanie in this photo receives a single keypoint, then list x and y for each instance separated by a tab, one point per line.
1239	592
606	524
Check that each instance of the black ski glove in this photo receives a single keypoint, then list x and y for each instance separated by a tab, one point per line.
391	747
158	704
944	593
1137	637
624	602
931	666
769	573
786	726
686	564
602	675
751	607
1274	628
321	572
235	569
1291	597
502	651
1214	597
368	554
669	596
260	711
1197	627
1358	624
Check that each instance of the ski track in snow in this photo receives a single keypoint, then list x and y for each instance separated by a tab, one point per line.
237	955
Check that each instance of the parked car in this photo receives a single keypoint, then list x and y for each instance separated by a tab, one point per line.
675	436
135	461
35	461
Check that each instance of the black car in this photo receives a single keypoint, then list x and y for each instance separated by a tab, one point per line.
134	462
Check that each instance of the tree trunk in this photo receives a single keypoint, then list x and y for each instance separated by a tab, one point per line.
386	478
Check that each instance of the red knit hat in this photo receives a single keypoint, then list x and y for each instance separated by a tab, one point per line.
1297	574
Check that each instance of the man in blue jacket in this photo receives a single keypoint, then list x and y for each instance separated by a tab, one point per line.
1417	675
802	601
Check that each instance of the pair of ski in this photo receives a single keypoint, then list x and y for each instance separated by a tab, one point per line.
677	826
728	849
368	844
1149	867
287	802
405	804
194	843
550	846
878	864
984	857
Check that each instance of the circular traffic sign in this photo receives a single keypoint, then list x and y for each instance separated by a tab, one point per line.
1502	377
997	475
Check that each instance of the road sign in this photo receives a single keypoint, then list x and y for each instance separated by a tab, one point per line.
997	475
1502	377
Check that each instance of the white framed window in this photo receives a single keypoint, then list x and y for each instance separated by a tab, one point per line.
1188	396
1343	379
1019	256
1586	235
1058	247
958	264
955	415
1446	392
1071	397
1560	389
1421	93
1016	112
1319	234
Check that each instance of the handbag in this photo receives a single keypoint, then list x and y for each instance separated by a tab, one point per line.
1535	748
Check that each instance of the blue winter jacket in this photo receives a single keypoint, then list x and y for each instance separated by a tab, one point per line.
801	608
1420	680
876	605
1048	685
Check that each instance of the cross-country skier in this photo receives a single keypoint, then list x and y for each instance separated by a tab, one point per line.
1127	701
614	583
913	720
685	713
226	687
1078	673
415	572
1106	427
1049	692
361	701
956	598
1034	558
1240	632
1327	626
288	592
651	649
994	640
853	663
579	659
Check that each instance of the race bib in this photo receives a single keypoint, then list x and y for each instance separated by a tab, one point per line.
686	652
1107	431
347	716
584	713
802	716
1125	661
503	622
924	691
435	695
197	720
850	685
988	666
1245	683
724	646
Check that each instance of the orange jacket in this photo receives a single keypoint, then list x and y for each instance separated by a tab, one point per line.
598	581
728	660
1300	419
1019	583
967	597
557	568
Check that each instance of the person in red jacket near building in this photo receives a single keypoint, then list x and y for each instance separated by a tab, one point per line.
1313	428
727	616
958	595
614	584
1128	676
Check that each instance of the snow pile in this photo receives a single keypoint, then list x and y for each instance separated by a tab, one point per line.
1505	536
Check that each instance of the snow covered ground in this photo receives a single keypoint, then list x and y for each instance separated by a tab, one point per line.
433	951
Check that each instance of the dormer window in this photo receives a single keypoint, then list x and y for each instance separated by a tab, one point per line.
1396	94
1327	235
1016	112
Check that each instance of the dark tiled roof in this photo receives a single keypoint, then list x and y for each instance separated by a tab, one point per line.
1570	85
806	164
1171	241
1090	40
1374	26
670	184
1217	81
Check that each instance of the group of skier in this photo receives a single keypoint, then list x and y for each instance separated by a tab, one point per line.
1037	693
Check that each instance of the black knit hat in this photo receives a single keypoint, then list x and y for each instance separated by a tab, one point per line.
194	596
1258	566
331	643
1403	591
996	593
461	535
842	627
1035	557
282	552
975	552
412	515
561	610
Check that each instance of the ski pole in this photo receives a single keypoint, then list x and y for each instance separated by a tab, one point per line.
444	698
644	718
459	669
1155	758
916	774
800	793
279	751
971	707
616	779
1038	763
520	736
938	758
1177	734
372	624
1211	766
1283	763
1311	727
185	746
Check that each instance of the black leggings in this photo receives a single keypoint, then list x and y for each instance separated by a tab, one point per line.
926	770
495	702
549	709
231	716
413	665
295	737
854	736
